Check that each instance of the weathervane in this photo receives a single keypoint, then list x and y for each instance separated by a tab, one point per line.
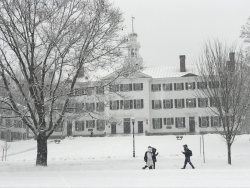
133	24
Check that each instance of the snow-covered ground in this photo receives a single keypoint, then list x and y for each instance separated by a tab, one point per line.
108	162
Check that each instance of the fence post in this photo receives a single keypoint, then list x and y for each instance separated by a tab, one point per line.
203	149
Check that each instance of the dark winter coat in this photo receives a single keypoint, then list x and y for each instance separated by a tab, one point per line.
186	152
153	156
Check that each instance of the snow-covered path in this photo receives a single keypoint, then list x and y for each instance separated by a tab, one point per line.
108	162
122	173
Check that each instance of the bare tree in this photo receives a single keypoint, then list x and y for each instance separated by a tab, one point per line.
226	82
45	46
245	31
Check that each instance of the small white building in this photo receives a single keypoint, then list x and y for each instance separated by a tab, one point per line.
162	100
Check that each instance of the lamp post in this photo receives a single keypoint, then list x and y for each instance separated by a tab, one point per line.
133	122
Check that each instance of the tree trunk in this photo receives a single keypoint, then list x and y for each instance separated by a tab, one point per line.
41	159
229	153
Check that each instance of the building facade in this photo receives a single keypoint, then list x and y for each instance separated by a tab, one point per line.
161	100
11	127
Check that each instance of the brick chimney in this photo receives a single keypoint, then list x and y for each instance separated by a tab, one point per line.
231	63
182	63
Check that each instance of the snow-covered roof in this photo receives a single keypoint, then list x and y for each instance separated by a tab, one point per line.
153	72
169	71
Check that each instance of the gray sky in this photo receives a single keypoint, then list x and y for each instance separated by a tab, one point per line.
169	28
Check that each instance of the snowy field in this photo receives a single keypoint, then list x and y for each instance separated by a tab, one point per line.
108	162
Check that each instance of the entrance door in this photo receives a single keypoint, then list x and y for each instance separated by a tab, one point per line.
140	126
113	128
191	124
69	128
126	125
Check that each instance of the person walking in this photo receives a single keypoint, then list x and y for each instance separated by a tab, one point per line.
154	154
188	153
148	158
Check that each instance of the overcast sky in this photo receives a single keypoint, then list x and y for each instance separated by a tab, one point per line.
169	28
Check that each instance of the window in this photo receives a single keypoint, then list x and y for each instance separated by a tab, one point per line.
214	101
100	90
70	107
138	86
114	88
138	103
156	104
167	103
100	125
59	106
114	105
1	121
178	86
204	121
133	52
190	85
100	107
8	122
51	73
89	90
90	124
156	87
19	123
201	85
24	136
125	87
126	104
15	123
167	87
78	92
191	103
180	122
179	103
59	128
215	121
8	112
214	84
202	102
79	125
90	107
157	123
169	122
79	107
24	125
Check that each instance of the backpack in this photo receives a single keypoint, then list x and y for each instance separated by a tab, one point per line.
190	152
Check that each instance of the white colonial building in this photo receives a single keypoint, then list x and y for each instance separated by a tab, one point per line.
161	100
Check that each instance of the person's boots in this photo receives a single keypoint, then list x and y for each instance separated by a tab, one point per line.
183	167
192	165
144	167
